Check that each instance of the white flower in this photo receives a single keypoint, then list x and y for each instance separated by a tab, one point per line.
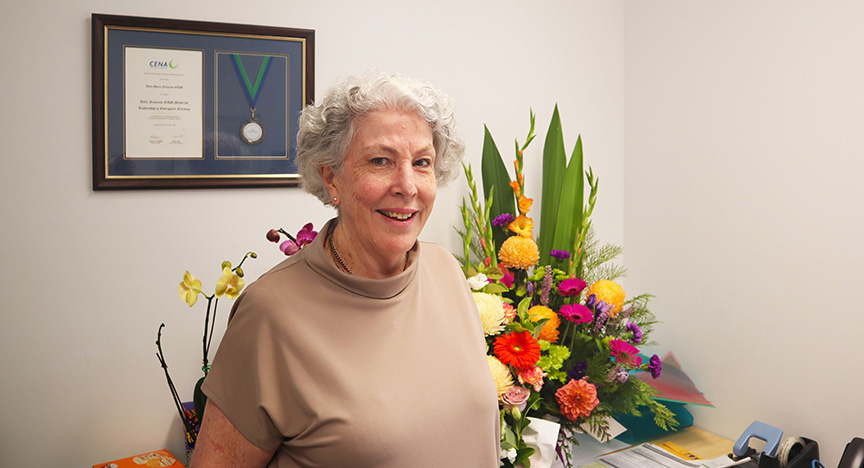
477	281
491	309
510	454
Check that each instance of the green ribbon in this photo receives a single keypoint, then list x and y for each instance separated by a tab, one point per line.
252	91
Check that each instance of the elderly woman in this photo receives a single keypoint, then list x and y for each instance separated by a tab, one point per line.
364	349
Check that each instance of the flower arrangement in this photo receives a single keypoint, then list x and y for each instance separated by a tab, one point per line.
562	335
230	284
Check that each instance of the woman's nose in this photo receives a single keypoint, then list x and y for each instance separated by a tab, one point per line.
405	183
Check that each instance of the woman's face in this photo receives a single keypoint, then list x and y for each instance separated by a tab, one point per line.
386	186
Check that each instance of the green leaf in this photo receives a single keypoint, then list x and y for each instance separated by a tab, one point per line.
522	309
510	437
494	273
523	455
199	399
570	207
554	165
494	288
494	174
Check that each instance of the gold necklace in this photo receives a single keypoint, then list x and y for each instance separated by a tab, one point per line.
345	267
338	258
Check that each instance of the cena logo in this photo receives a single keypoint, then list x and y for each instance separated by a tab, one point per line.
162	64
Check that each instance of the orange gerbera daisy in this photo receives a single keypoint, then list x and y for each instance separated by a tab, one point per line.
519	252
576	399
609	292
517	349
549	332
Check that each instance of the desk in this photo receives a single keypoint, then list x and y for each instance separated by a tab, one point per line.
699	441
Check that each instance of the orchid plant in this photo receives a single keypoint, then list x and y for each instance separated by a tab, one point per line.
230	284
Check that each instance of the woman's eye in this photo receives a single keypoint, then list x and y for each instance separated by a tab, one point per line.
378	161
423	163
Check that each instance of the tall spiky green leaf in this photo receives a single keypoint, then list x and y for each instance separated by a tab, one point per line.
570	206
554	165
494	174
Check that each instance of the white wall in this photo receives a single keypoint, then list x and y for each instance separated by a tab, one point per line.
87	277
743	204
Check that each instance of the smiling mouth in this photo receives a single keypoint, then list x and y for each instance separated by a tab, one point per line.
397	216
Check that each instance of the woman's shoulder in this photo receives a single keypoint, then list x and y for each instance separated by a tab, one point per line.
272	287
434	252
439	261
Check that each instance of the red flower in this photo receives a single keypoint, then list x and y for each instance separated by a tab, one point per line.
576	399
517	349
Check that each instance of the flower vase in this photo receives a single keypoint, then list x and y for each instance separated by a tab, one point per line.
195	425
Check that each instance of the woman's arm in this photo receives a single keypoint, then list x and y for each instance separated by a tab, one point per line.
220	444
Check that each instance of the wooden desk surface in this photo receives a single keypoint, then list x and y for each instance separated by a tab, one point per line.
698	441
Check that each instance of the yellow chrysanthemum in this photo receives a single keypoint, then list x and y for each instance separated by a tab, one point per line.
609	292
189	289
229	284
519	252
523	225
500	374
491	309
549	332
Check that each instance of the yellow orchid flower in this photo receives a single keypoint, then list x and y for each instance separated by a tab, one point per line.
229	284
523	225
189	289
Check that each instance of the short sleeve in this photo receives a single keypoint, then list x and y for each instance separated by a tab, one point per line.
240	378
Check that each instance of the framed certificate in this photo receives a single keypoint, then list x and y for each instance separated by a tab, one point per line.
190	104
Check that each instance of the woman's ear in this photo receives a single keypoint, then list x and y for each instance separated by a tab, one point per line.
329	181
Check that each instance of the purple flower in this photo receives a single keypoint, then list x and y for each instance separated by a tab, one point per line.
655	366
637	332
547	285
273	235
576	313
503	220
306	235
578	371
627	312
602	316
618	374
560	254
571	287
289	247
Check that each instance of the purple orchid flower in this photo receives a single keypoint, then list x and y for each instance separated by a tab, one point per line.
306	235
289	247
